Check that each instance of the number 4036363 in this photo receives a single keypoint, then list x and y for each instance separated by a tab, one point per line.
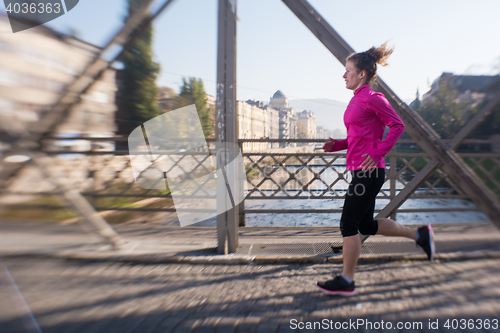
471	324
34	8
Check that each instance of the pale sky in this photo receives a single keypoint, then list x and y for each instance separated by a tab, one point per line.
276	51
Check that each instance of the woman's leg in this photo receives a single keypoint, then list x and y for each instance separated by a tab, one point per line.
350	253
388	227
359	206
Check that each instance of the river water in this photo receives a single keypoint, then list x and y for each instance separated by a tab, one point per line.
332	219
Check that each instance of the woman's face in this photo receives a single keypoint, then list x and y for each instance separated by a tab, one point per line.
353	79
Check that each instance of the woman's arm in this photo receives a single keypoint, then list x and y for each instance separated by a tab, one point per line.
384	111
335	145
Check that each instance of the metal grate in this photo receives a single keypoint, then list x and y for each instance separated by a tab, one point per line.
379	247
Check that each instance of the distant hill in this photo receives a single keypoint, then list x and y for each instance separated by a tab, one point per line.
329	113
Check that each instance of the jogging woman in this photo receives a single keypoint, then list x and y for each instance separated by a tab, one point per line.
366	118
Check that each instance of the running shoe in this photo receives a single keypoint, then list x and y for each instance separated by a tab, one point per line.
337	286
426	240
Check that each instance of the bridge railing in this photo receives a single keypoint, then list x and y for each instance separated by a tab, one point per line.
319	175
299	171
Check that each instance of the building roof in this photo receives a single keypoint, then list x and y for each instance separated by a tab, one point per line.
474	83
279	94
258	104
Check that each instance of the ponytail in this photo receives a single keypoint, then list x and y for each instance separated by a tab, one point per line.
368	60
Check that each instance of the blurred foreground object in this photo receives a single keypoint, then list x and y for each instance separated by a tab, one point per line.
29	137
35	68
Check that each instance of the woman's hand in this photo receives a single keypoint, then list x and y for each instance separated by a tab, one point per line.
328	147
368	164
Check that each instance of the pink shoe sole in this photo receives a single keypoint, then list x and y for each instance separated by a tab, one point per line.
341	293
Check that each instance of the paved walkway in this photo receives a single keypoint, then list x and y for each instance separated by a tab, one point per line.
164	244
109	295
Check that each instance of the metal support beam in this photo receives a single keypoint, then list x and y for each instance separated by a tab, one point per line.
475	121
226	120
79	203
416	127
29	140
434	164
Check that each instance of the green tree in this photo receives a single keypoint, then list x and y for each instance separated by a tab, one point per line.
193	92
491	124
446	113
139	91
301	130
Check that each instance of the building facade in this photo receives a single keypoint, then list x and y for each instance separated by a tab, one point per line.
472	89
308	121
257	121
273	126
287	118
278	120
36	67
324	133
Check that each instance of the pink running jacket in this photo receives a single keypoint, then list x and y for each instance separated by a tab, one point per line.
366	117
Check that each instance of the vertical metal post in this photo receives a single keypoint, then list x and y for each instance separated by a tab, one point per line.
241	206
392	179
226	120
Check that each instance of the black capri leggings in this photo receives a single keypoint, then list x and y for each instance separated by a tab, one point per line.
359	204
